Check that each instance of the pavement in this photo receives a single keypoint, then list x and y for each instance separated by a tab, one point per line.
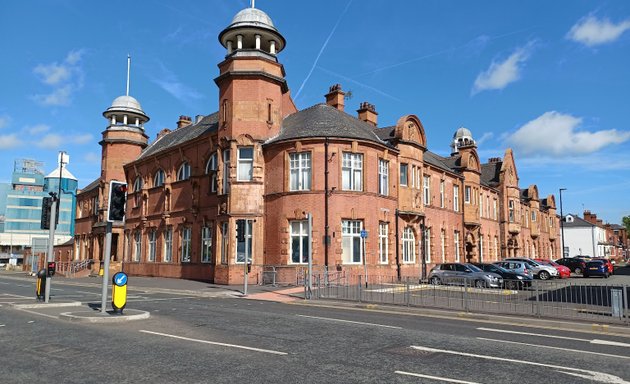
87	313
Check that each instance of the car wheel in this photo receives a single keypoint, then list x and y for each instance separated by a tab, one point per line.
543	275
510	284
578	270
435	280
480	284
606	276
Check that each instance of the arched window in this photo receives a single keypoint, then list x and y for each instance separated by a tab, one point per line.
211	169
158	179
184	172
137	184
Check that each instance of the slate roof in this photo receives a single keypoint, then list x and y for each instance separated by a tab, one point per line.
577	222
90	186
385	133
207	124
322	120
444	163
490	174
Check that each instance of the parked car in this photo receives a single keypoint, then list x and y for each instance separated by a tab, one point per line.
516	267
464	273
543	272
584	257
596	268
511	280
575	264
563	272
609	264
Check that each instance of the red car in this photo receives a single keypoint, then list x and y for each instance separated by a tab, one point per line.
563	272
608	264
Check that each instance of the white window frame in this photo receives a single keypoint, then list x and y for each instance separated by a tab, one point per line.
441	193
183	173
158	178
383	244
456	242
496	248
186	244
168	245
350	240
443	244
481	248
211	169
247	238
352	172
225	232
427	189
533	216
137	246
226	171
456	198
467	194
300	171
404	174
206	244
408	244
481	205
383	177
494	208
245	165
511	216
298	230
152	242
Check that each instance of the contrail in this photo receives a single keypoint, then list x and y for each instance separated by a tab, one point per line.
439	53
359	83
297	94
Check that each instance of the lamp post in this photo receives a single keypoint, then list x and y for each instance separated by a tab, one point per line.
562	221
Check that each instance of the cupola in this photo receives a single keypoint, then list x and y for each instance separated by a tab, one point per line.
462	138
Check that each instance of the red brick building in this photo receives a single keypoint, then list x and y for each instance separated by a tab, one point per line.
242	185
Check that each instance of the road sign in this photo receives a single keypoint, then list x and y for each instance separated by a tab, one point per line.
119	291
364	233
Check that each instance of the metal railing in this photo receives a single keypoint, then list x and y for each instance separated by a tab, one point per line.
70	268
579	300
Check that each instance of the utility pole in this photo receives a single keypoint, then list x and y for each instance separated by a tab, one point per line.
63	158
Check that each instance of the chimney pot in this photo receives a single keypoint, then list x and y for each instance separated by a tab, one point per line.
367	112
336	97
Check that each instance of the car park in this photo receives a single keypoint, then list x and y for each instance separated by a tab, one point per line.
563	272
596	268
516	267
575	264
511	280
464	274
543	272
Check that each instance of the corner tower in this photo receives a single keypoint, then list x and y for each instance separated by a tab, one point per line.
124	138
253	93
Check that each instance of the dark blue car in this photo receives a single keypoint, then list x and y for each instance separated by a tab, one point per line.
596	268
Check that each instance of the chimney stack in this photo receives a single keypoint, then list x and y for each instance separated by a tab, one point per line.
335	97
494	160
183	121
163	132
367	112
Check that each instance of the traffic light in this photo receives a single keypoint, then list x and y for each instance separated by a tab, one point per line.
45	220
51	268
117	200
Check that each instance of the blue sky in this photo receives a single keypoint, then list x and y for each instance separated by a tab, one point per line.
549	79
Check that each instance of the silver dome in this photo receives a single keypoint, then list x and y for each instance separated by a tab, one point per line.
462	132
126	104
252	17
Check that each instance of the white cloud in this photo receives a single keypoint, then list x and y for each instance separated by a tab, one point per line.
485	137
50	141
65	78
592	31
171	84
92	157
555	133
500	74
82	139
37	129
4	121
10	141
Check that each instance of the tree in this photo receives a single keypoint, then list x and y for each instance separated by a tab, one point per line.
626	223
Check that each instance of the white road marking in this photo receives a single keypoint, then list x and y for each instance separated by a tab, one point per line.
37	313
593	341
591	375
164	299
350	321
215	343
435	377
2	325
558	348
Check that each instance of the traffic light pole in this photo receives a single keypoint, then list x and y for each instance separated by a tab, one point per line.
106	256
50	255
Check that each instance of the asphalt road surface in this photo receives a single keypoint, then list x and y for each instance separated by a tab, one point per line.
191	339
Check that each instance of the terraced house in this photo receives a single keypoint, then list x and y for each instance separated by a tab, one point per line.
261	182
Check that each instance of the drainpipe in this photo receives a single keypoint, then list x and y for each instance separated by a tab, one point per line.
397	248
326	193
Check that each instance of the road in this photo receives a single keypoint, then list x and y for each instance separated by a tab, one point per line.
191	339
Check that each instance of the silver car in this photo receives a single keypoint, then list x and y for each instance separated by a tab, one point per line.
543	272
464	274
515	266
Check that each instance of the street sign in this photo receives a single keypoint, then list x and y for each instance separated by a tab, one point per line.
119	291
364	233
